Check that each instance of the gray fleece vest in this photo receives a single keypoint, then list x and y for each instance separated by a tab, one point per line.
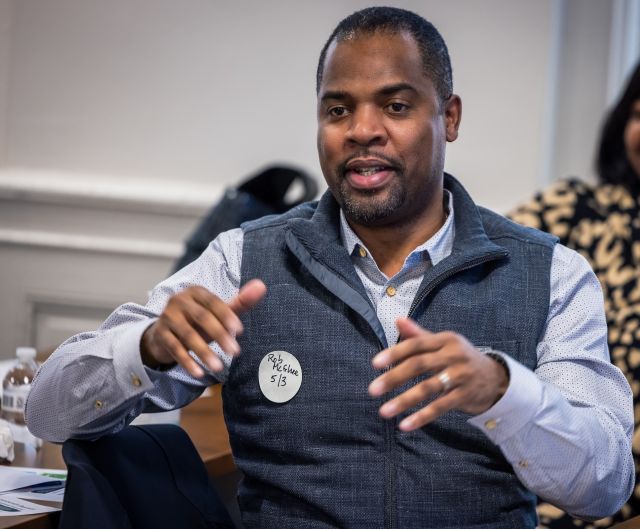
325	459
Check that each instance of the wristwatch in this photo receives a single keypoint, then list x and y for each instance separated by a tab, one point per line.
500	359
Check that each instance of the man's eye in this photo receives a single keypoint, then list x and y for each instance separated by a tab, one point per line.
337	112
397	108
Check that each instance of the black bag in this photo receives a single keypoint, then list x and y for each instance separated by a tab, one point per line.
263	194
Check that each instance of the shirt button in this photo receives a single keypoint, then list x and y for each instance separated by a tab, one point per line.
491	424
362	252
391	291
135	380
98	404
523	463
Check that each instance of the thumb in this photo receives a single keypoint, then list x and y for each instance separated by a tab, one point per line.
248	296
409	328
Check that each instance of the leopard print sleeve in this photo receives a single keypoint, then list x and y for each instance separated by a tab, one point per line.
555	210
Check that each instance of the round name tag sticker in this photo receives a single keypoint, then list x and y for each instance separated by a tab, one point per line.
280	376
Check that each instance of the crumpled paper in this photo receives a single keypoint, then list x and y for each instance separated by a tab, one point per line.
6	441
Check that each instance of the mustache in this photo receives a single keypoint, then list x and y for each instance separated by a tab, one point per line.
392	162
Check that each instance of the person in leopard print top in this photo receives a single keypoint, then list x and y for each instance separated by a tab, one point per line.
602	222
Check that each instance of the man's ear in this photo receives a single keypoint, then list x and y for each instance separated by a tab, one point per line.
452	116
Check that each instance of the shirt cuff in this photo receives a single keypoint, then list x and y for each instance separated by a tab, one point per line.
517	407
131	374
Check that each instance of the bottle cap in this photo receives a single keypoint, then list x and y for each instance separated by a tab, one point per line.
25	354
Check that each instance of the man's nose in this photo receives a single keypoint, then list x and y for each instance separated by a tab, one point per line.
367	127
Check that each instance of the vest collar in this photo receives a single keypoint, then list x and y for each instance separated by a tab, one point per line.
320	234
317	244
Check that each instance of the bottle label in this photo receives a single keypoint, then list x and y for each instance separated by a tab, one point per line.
15	397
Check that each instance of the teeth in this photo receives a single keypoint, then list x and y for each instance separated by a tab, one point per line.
368	171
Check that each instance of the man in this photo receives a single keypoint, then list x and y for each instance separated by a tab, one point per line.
391	356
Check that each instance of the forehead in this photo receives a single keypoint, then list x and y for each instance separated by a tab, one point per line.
378	58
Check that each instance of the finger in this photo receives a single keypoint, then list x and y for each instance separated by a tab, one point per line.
409	327
170	343
212	330
412	397
432	411
218	308
248	296
418	340
426	343
191	340
407	370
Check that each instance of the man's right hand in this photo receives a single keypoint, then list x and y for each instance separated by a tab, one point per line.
191	320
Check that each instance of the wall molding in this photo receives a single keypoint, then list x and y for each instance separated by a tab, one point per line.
91	243
62	314
173	198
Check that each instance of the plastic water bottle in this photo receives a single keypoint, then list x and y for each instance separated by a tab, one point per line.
16	385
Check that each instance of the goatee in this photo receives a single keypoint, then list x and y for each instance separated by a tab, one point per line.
369	208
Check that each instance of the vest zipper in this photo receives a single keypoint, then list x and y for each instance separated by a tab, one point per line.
390	470
390	426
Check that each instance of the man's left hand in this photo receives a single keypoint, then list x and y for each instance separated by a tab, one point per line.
465	378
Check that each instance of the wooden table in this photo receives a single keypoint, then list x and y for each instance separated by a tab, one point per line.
632	523
202	420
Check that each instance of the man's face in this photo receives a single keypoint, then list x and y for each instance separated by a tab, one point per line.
382	130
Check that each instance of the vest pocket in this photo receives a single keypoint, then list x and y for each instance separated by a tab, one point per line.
508	347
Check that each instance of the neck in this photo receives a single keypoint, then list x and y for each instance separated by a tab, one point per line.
391	245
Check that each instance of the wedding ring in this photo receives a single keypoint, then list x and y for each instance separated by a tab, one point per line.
445	380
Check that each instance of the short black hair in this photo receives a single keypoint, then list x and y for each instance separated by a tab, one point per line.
435	56
612	164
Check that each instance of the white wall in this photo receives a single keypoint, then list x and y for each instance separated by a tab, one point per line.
194	89
5	40
501	51
203	90
624	46
581	88
121	121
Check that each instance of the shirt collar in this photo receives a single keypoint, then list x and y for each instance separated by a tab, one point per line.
438	246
